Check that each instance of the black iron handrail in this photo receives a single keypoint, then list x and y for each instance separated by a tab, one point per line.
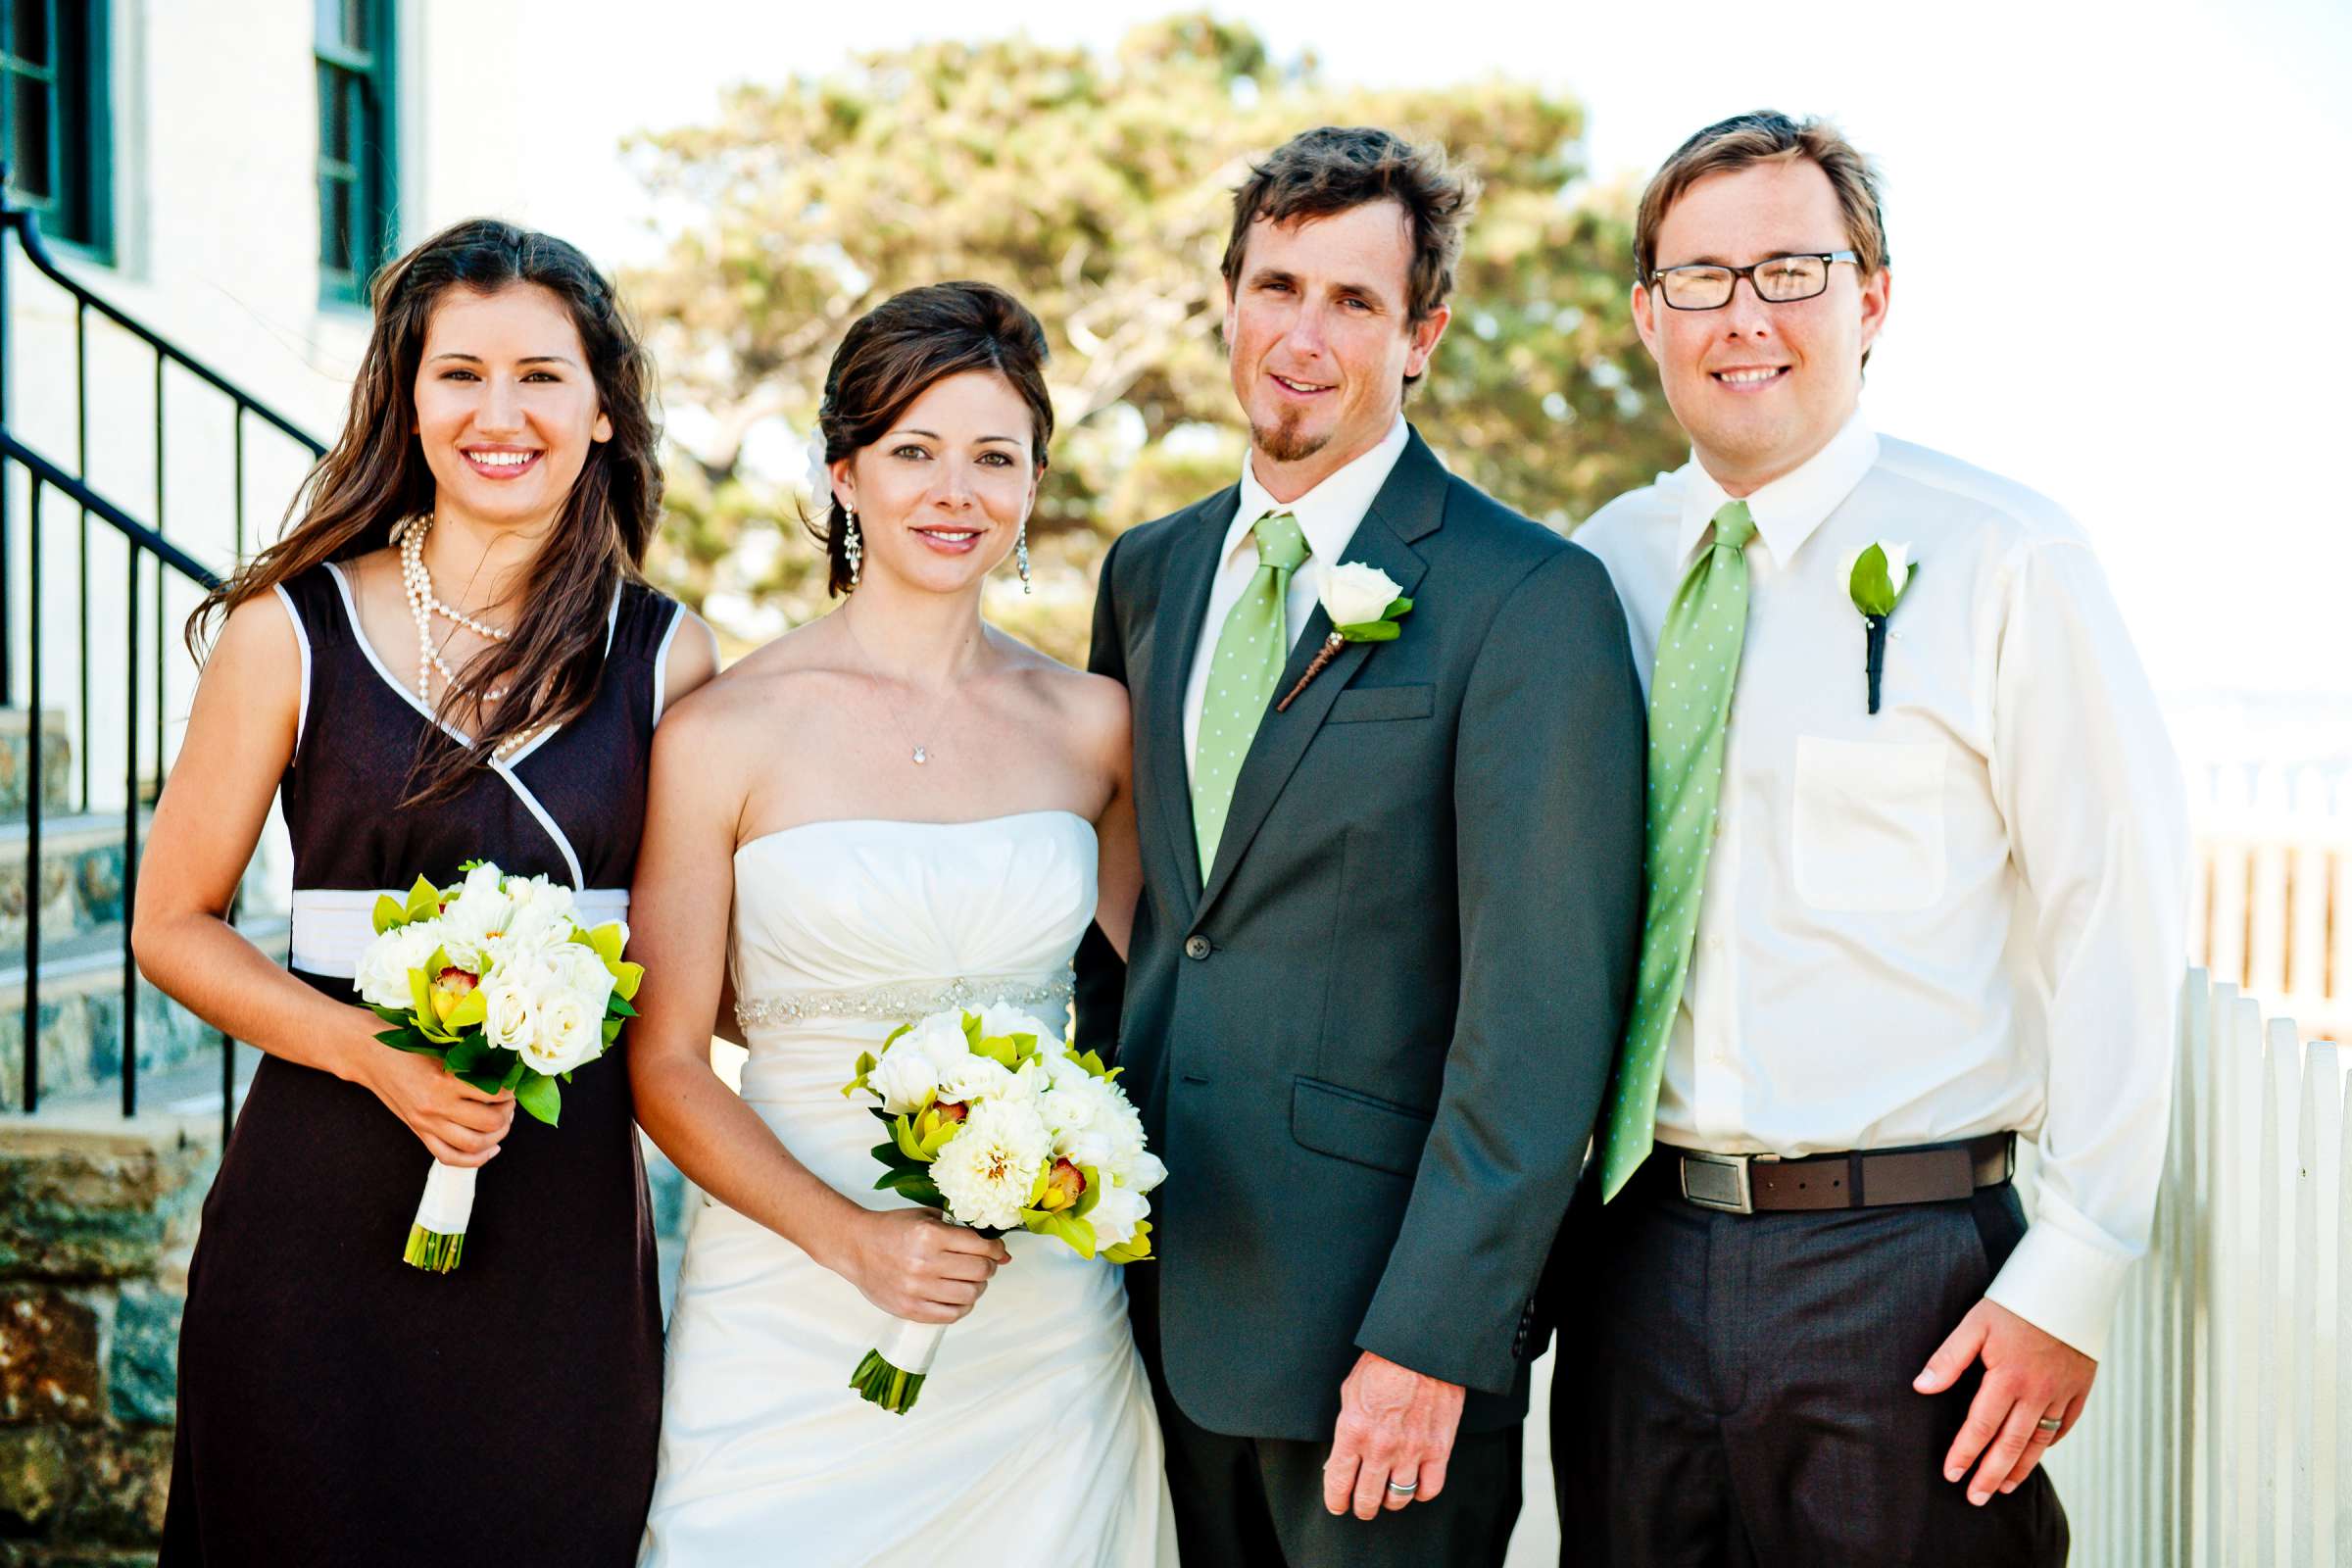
145	542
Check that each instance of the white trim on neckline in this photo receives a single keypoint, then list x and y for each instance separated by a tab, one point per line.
505	768
301	637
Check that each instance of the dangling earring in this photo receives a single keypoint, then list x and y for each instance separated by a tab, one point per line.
852	545
1021	554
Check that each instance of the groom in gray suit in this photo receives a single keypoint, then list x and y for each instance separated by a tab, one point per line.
1391	904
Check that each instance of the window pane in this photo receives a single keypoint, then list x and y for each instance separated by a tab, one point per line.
29	36
31	104
356	32
334	128
335	224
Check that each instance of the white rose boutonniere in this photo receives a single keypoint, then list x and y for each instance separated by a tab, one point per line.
1877	582
1363	603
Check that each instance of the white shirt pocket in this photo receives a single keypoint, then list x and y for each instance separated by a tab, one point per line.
1868	835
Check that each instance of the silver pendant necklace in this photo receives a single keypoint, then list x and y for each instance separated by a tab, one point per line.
918	753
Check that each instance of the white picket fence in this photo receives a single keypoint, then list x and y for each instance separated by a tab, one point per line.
2271	900
2220	1432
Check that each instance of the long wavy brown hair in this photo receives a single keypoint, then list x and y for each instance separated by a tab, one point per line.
375	475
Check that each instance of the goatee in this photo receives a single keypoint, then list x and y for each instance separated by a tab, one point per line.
1283	442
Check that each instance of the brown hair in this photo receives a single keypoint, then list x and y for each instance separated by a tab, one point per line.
1332	168
894	352
376	476
1766	136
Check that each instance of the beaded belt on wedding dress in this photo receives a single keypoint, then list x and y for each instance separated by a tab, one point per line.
905	1003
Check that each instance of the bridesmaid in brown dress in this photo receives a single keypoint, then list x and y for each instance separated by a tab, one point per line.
450	654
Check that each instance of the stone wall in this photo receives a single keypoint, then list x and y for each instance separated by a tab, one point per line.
96	1221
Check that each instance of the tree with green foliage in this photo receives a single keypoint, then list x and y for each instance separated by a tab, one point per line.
1097	189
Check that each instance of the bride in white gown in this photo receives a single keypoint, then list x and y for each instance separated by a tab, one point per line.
913	812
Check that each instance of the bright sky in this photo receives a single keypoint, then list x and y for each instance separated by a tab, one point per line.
2099	215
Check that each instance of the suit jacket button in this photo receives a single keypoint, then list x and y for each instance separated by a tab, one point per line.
1195	946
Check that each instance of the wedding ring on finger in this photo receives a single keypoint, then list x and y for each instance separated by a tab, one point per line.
1405	1489
2050	1424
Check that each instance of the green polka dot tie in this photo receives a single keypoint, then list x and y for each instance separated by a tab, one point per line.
1242	673
1690	698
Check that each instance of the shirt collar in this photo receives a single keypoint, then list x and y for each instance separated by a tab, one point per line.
1328	514
1788	510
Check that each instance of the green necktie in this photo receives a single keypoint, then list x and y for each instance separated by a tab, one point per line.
1690	698
1242	673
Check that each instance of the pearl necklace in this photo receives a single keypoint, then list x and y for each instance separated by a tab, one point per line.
423	604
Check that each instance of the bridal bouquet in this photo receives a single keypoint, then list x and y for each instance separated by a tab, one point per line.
496	978
996	1120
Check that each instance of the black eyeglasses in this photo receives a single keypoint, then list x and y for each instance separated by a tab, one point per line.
1776	280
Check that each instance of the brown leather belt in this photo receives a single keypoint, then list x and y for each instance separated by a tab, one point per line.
1875	1178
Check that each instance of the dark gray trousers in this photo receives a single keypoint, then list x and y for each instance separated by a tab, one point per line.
1735	1390
1257	1502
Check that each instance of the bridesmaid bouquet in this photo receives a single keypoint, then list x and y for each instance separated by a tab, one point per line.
496	979
996	1120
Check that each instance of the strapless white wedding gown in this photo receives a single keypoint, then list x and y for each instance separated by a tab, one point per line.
1034	1441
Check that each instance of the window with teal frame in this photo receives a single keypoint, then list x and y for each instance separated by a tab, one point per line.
358	184
55	123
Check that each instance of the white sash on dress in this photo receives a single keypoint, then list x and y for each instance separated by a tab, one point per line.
332	926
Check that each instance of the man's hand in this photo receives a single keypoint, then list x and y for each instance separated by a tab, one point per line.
1395	1424
2028	1376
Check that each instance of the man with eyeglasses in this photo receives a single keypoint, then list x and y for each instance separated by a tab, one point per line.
1915	882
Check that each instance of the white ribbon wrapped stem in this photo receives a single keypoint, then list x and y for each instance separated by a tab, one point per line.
447	1201
911	1346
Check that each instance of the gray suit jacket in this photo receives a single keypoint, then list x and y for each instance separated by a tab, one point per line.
1371	1048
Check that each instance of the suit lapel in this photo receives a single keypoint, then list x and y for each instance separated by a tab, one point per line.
1410	505
1176	637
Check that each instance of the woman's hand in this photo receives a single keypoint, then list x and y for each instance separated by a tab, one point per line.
915	1265
460	1123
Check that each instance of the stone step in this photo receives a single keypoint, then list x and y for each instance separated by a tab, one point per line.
81	1020
16	755
80	879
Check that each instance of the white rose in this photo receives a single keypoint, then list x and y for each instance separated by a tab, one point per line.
512	1021
939	1037
971	1078
987	1168
583	975
383	975
1354	593
1143	1171
541	894
1898	563
566	1037
1084	1146
1117	1211
535	925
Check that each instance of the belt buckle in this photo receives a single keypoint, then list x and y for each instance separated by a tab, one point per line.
1722	1183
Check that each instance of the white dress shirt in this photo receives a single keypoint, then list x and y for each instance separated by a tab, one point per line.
1963	914
1328	514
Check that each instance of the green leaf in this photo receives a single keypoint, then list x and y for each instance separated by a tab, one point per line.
1397	607
391	1015
514	1073
389	912
424	901
1372	631
1869	586
488	1082
467	1054
537	1094
409	1039
617	1006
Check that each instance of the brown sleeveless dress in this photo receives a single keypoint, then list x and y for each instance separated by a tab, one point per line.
337	1406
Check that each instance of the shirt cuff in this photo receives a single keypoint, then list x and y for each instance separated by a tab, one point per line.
2063	1282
